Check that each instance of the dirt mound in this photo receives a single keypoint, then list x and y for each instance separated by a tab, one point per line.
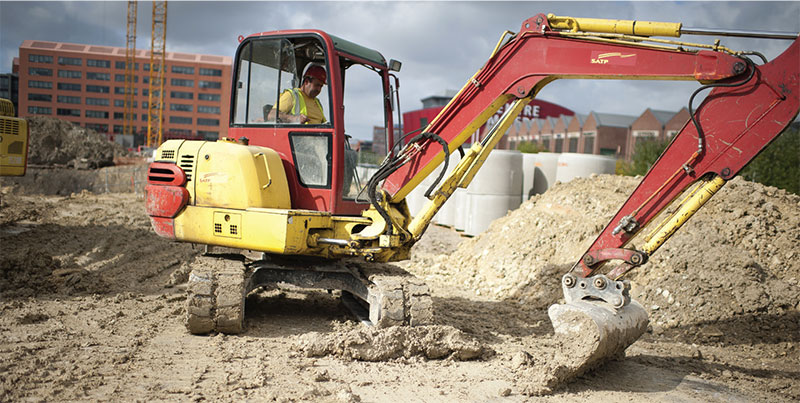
65	245
56	142
370	344
736	257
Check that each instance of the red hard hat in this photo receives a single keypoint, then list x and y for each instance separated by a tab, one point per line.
318	73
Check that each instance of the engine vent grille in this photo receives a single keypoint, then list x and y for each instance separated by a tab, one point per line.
234	230
218	228
167	154
187	164
8	126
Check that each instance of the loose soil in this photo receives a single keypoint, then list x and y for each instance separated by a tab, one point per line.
92	305
56	142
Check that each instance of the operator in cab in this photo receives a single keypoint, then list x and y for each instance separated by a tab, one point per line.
300	105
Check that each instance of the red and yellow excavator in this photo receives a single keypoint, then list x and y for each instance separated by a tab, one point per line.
283	202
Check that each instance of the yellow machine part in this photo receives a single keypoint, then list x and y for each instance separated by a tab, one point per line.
225	174
14	138
269	230
629	27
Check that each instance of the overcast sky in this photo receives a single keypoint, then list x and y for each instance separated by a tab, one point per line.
441	44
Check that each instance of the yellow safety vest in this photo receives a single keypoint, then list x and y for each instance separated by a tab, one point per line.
299	99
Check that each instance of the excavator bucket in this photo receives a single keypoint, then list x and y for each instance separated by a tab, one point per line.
598	321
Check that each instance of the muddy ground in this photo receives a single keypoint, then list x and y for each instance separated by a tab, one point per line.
92	308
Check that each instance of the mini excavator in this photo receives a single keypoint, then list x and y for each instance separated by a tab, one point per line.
282	203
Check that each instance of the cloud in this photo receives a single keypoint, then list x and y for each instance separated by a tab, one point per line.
441	44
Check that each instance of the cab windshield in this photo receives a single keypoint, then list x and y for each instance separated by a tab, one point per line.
268	68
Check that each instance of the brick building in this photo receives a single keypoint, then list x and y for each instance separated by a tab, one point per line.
431	106
85	84
609	132
655	125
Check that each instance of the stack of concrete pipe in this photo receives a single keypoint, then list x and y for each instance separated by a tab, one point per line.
494	191
572	165
544	175
506	179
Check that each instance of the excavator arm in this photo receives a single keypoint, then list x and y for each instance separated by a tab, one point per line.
748	107
736	121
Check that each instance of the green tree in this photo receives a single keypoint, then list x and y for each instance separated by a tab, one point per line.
530	147
779	164
644	155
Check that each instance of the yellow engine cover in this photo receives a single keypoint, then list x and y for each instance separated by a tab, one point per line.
229	175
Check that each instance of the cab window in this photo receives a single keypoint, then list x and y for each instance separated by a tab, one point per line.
268	68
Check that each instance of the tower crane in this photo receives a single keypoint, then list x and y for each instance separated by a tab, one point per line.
155	100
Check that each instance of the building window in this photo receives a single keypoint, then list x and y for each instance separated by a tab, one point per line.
146	91
98	76
208	109
181	120
97	114
208	135
40	58
645	133
70	61
573	144
147	67
207	122
69	74
117	129
588	145
98	63
181	107
179	82
210	84
40	71
100	128
180	132
559	144
66	99
98	88
211	72
207	97
121	91
120	103
68	112
671	133
120	78
181	95
121	65
183	69
40	84
69	87
97	101
40	97
40	110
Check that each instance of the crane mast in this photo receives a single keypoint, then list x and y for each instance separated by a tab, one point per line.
130	67
155	100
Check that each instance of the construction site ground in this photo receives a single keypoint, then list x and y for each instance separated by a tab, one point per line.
92	308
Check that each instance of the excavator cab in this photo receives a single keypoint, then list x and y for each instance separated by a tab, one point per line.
319	162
